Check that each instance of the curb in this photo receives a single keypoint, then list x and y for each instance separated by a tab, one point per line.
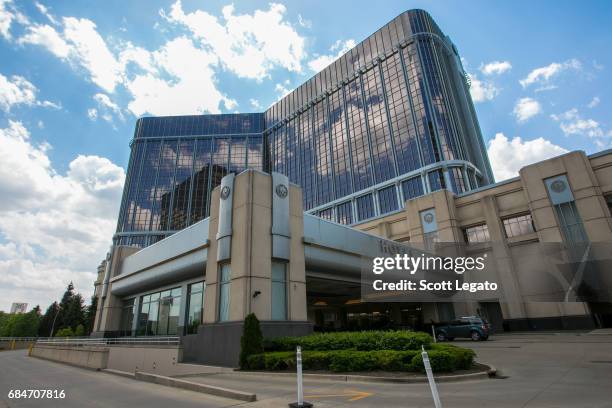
119	373
197	387
489	373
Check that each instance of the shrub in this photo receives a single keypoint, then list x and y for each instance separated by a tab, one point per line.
79	331
464	358
440	360
363	341
251	341
65	332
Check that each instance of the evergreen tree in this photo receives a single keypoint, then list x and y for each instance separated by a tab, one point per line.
44	328
251	341
90	315
74	315
64	318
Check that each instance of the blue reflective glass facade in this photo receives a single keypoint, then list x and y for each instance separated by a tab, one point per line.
388	121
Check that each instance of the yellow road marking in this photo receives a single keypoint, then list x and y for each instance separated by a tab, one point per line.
355	395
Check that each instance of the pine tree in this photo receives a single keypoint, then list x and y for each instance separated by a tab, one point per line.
251	341
90	315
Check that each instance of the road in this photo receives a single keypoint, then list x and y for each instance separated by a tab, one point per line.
543	370
88	388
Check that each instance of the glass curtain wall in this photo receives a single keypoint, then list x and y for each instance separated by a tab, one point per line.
159	313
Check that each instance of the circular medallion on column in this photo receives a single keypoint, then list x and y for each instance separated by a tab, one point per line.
558	186
281	190
225	192
428	218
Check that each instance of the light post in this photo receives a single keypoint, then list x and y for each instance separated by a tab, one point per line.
59	307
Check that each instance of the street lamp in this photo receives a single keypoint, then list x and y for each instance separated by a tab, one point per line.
59	306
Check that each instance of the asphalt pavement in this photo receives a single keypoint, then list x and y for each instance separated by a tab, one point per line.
539	370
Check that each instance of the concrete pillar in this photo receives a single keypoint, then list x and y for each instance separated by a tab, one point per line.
266	226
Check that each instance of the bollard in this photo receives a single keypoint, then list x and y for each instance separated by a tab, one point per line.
300	390
430	378
433	333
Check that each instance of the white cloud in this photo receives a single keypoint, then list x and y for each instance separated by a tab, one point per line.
16	91
572	124
496	67
188	86
339	48
55	227
250	45
509	156
19	91
6	18
46	36
543	75
282	89
482	91
45	12
92	113
107	107
526	108
594	102
255	103
303	22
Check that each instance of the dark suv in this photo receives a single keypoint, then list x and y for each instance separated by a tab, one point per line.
472	327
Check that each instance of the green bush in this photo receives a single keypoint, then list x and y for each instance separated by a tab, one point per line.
440	360
79	331
464	358
363	341
251	341
65	332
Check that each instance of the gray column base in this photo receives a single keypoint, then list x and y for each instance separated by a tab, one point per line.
219	343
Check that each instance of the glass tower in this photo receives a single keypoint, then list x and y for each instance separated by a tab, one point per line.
388	121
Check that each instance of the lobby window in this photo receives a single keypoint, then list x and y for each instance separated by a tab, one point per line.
387	199
279	291
476	234
127	317
412	188
159	313
517	226
224	291
365	207
195	307
344	213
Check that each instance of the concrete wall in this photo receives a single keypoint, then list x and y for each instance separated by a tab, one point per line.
88	357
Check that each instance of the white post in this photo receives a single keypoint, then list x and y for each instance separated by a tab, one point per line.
430	378
300	391
433	333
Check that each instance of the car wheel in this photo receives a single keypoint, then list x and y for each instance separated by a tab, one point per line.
441	337
475	336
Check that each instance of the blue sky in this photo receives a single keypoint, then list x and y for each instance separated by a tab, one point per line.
74	76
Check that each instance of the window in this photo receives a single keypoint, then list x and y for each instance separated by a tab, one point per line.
516	226
279	291
327	214
159	313
365	207
609	201
224	292
127	317
436	180
387	199
412	188
195	307
457	180
571	222
344	213
477	233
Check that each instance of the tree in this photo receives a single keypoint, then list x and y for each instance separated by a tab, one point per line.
74	312
90	315
251	341
44	328
25	324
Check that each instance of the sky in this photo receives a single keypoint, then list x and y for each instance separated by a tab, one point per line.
75	76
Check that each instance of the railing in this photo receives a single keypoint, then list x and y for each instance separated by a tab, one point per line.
19	338
101	341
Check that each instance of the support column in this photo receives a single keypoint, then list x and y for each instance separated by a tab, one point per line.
266	217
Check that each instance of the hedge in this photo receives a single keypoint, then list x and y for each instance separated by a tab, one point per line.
362	341
443	358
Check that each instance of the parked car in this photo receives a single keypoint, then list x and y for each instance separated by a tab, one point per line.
472	327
